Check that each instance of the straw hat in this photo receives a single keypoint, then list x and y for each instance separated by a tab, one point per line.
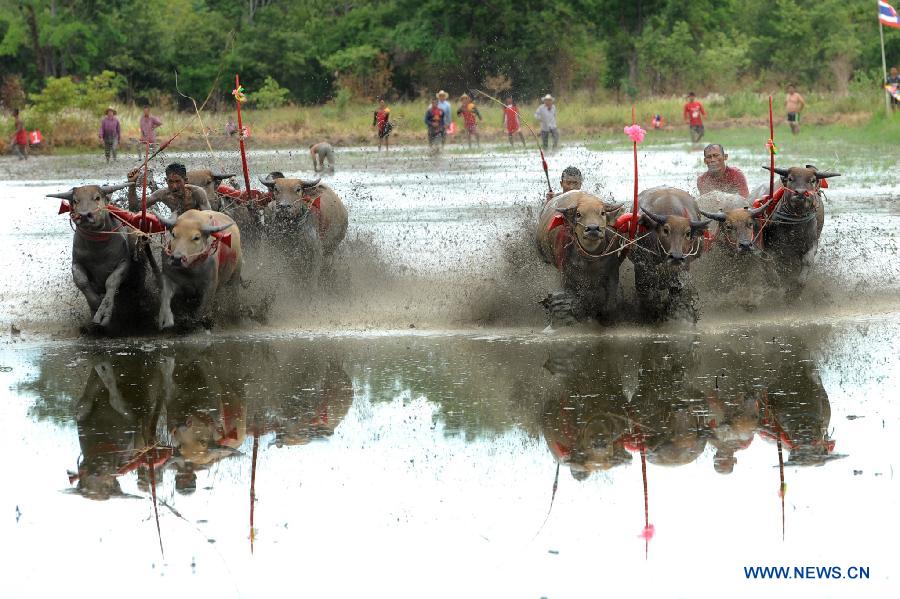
108	108
442	94
547	97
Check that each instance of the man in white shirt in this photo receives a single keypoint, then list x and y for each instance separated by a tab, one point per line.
546	114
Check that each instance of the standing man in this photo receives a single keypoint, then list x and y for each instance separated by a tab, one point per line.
793	104
110	133
468	111
719	177
693	116
321	152
444	105
894	79
511	121
382	120
546	114
19	139
434	120
148	126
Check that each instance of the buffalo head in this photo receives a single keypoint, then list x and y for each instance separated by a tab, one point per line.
736	226
677	235
288	195
801	184
190	236
209	181
87	203
590	218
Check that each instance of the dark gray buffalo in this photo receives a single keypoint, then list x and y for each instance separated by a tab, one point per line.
791	231
671	238
105	259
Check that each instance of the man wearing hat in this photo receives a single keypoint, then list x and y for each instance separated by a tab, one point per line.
110	133
546	114
444	105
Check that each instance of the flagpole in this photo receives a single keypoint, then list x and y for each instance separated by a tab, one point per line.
887	97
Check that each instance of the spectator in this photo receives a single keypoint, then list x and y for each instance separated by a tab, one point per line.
546	114
718	176
468	111
511	121
19	140
382	120
434	121
693	116
148	125
444	105
230	127
793	104
110	133
894	80
658	121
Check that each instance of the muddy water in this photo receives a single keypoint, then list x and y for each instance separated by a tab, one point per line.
408	420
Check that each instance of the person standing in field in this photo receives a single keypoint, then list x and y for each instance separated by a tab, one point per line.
19	141
793	104
468	111
444	105
434	121
382	120
148	125
693	116
546	115
110	133
511	121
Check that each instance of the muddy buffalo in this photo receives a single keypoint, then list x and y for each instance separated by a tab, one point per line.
106	263
201	260
307	219
672	237
575	234
793	226
209	182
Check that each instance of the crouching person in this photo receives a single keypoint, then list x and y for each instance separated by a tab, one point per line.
202	257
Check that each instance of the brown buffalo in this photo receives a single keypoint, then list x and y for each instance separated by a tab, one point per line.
306	218
792	230
575	234
671	239
734	219
209	182
201	258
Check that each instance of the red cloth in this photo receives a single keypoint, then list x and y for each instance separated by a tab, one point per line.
731	181
22	137
468	115
511	119
35	138
693	111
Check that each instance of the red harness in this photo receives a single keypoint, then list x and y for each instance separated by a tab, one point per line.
259	198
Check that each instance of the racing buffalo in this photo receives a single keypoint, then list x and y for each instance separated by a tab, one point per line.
733	216
575	234
671	239
307	219
106	263
792	228
201	258
209	182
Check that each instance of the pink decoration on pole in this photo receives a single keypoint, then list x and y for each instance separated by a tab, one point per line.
635	133
647	533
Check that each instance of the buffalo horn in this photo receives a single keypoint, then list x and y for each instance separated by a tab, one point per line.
108	189
613	207
827	174
210	229
167	222
661	220
699	224
307	184
66	195
754	211
784	172
719	216
221	176
268	181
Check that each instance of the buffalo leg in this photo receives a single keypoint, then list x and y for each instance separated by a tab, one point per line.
113	281
83	282
806	264
166	318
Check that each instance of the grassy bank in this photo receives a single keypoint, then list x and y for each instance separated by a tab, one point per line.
855	118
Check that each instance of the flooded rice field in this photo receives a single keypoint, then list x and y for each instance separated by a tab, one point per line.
412	430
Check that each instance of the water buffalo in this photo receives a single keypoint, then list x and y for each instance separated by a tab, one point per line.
733	216
791	230
105	260
209	182
575	234
201	258
671	239
307	218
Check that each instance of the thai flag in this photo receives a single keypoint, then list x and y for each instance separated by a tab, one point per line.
887	15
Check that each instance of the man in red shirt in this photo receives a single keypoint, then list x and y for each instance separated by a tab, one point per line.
693	113
719	177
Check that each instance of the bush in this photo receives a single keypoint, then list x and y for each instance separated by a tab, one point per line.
270	95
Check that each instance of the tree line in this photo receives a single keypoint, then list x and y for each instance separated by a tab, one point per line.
310	51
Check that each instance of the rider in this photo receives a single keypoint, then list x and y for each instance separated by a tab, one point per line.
178	195
718	176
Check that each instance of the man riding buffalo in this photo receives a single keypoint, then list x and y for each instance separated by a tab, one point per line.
178	195
719	176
